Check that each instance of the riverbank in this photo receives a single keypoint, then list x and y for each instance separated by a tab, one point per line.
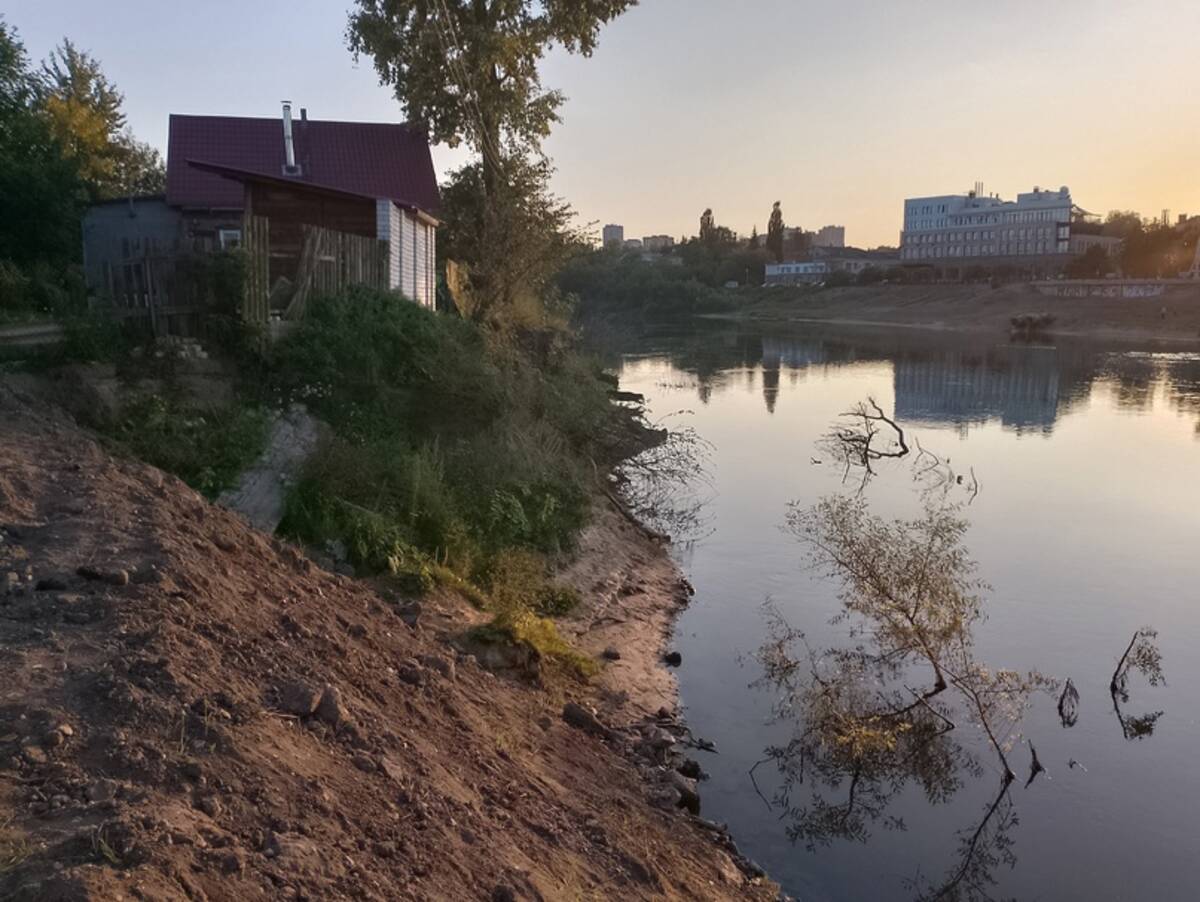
1174	317
195	710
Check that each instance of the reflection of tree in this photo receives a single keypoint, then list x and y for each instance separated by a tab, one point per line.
659	486
982	850
1141	656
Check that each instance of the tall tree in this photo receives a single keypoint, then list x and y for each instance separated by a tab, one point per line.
467	70
83	109
753	244
775	232
707	228
41	195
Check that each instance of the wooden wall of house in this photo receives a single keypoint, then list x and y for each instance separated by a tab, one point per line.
290	209
116	232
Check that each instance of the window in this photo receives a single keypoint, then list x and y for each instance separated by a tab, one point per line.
228	239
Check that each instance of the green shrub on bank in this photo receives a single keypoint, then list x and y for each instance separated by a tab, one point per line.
205	447
459	442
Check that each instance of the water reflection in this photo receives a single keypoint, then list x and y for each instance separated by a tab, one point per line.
946	379
907	704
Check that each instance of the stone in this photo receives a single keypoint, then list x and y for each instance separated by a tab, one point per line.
410	672
582	719
365	763
690	768
52	739
410	613
330	708
115	577
34	755
103	790
391	770
688	797
66	729
504	893
231	862
443	665
298	699
611	654
673	659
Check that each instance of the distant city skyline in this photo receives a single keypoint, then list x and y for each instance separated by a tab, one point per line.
838	111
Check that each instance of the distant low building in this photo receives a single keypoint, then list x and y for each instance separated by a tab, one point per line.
1082	242
658	243
954	231
614	234
854	260
633	244
806	272
830	236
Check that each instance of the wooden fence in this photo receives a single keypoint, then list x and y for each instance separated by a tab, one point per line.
168	289
332	261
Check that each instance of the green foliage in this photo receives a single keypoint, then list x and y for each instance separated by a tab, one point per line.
608	283
1094	263
462	445
205	447
467	70
83	110
515	239
775	233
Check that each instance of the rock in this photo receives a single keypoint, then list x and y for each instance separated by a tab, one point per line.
365	763
610	654
34	755
115	577
231	862
504	893
209	805
410	613
688	797
673	659
582	719
52	739
410	672
51	584
103	790
298	699
443	665
391	770
66	729
330	708
225	543
690	768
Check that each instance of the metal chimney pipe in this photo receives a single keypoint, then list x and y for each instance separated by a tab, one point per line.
289	146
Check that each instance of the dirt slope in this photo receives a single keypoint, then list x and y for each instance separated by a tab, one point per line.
159	666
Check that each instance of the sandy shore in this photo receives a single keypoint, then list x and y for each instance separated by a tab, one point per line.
1174	317
632	592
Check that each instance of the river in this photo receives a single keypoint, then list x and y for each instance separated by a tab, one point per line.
1086	461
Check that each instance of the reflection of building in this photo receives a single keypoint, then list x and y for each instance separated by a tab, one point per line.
614	234
971	229
1021	391
830	236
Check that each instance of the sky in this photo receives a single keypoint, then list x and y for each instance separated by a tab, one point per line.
838	110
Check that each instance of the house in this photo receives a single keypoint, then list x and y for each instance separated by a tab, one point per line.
370	180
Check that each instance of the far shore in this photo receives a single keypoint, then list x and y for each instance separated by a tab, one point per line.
1173	317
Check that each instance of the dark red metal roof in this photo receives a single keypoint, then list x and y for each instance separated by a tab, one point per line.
365	158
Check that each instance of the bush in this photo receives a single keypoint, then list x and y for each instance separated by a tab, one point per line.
461	444
205	447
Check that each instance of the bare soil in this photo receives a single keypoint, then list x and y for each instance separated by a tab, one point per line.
1174	317
191	710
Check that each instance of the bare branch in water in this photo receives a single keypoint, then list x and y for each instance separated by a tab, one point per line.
1143	656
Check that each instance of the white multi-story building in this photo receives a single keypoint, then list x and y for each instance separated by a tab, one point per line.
658	243
614	234
830	236
974	229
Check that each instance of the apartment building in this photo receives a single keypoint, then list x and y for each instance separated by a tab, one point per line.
973	229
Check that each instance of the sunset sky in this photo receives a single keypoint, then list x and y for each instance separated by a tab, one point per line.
837	110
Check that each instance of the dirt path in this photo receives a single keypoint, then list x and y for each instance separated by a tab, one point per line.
191	710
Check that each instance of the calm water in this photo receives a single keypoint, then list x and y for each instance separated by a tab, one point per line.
1086	529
